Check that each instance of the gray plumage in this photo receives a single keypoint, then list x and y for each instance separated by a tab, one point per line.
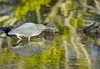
27	30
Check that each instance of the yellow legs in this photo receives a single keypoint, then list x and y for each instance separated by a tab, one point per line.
19	39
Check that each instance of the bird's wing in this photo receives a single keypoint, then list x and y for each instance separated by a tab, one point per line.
24	30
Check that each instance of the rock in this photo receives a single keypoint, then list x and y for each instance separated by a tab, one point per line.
93	30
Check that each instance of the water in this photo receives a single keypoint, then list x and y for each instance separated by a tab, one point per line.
70	49
57	53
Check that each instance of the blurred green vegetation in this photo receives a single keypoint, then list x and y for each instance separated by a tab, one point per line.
58	12
30	5
50	57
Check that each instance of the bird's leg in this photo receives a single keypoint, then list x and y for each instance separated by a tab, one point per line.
19	39
28	39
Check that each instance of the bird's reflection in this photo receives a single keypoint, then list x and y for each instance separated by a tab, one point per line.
27	49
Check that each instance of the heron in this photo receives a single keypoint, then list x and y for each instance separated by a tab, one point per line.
28	29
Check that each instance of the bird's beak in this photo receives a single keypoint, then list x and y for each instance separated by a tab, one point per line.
50	28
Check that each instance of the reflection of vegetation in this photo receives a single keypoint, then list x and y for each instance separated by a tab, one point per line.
83	64
30	5
56	11
53	57
67	32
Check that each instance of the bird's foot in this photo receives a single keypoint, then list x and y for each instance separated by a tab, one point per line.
19	41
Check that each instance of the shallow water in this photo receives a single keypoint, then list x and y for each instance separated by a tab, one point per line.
53	53
70	49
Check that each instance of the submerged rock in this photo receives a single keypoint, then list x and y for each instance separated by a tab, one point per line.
93	30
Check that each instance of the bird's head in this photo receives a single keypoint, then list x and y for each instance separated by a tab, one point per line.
51	27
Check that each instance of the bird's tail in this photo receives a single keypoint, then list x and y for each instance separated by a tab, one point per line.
3	29
6	29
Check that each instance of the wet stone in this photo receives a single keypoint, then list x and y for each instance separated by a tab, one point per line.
93	30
